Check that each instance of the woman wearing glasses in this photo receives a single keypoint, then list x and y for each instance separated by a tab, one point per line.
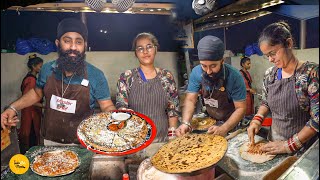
291	93
148	89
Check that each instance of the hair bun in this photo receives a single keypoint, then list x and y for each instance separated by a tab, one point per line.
285	25
32	56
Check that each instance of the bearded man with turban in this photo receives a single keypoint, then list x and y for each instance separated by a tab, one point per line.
70	85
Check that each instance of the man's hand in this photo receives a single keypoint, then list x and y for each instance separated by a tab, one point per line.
252	91
182	129
217	130
8	119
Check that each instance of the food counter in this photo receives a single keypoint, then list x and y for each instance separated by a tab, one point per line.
306	167
96	166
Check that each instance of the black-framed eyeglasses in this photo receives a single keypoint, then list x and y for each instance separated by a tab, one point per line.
271	54
149	48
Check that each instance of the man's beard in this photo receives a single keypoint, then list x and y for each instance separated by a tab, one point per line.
75	64
213	78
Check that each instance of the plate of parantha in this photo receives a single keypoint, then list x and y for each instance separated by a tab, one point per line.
103	134
55	163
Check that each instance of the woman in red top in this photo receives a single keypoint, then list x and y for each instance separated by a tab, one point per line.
245	63
30	116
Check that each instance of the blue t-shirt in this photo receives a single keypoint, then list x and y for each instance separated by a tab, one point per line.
235	87
99	89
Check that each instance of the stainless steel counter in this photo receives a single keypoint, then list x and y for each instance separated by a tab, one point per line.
306	167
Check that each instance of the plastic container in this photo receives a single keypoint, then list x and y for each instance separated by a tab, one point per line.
267	121
125	176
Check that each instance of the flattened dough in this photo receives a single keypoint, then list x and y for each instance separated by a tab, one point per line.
256	158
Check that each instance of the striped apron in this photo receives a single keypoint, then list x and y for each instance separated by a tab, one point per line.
287	116
150	99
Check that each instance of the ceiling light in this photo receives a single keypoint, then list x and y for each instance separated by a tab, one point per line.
159	9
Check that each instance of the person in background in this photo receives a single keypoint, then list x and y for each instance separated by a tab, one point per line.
291	93
70	85
245	64
148	89
30	116
223	89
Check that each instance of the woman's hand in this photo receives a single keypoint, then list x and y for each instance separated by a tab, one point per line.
253	129
217	130
276	147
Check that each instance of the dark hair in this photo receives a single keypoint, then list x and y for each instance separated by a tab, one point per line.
150	36
276	33
33	61
244	60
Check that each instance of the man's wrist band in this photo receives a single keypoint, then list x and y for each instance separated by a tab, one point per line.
14	109
188	124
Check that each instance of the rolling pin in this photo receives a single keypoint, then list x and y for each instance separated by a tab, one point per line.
233	134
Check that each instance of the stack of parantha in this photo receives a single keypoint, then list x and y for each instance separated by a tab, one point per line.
202	123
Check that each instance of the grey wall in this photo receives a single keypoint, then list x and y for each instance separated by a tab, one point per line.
259	65
14	68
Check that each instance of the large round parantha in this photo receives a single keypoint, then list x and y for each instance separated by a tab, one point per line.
101	132
202	123
253	153
55	163
190	152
